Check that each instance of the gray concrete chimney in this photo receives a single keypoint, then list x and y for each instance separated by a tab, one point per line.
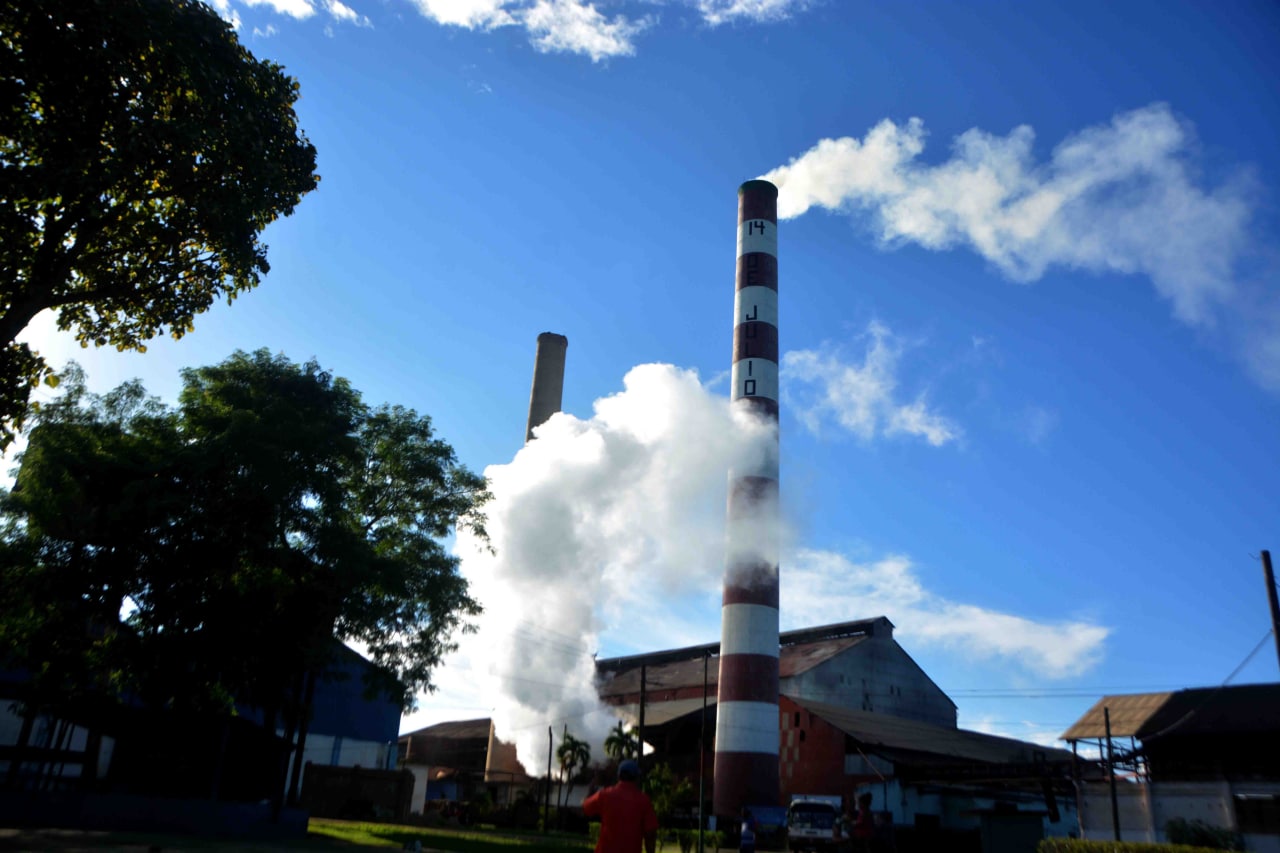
548	380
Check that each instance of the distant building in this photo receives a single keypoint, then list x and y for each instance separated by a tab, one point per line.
102	748
459	761
1205	754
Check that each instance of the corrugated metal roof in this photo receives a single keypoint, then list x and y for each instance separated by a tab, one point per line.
456	729
669	676
805	656
1128	714
882	733
661	713
792	660
878	625
1239	709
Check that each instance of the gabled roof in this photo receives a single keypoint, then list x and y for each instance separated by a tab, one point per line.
1128	714
799	651
897	738
1240	709
792	660
454	730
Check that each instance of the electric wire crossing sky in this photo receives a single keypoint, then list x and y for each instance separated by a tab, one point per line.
746	751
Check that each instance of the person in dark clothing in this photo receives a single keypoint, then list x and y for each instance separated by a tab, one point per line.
863	828
747	834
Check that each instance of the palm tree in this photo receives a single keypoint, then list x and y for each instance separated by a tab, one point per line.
620	743
572	754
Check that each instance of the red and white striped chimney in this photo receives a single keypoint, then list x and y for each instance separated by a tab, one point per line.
746	756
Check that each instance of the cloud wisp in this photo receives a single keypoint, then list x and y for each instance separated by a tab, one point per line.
717	12
825	586
1121	197
300	10
576	27
861	398
569	26
612	527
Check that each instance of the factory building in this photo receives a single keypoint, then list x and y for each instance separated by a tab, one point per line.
856	713
852	665
1205	754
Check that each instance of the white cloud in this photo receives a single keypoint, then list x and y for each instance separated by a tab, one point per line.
823	587
861	398
226	12
717	12
471	14
554	26
1120	197
571	26
345	14
265	32
300	9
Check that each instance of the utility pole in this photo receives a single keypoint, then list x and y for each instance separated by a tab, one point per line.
1271	599
640	727
546	799
702	753
1111	773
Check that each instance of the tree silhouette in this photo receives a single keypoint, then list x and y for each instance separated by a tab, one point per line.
267	517
572	754
144	150
622	743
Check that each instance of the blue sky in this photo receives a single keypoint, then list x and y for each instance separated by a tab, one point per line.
1029	314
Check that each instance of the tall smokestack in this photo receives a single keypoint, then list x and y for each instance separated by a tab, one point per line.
548	380
746	760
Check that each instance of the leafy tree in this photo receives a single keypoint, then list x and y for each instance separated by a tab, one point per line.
666	790
269	514
621	743
143	150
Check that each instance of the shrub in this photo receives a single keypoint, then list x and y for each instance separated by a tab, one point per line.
1197	833
1076	845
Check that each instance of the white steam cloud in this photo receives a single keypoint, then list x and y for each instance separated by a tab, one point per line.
613	526
595	525
1120	197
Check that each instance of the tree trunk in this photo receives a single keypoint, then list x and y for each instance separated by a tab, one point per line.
89	769
304	721
220	764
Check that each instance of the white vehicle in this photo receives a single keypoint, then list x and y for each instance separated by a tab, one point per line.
813	823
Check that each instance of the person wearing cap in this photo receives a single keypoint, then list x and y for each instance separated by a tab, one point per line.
627	818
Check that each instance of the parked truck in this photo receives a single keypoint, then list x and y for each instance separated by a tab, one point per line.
813	823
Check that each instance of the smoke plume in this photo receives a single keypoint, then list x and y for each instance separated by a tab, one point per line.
1123	197
613	527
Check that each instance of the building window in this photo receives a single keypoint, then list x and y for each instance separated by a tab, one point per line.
797	722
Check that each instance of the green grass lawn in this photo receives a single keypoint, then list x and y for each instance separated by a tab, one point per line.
323	836
395	836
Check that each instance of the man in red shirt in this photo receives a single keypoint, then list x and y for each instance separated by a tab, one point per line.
626	814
